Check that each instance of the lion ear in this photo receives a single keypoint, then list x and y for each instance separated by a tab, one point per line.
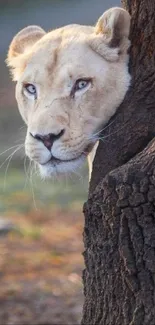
20	48
112	32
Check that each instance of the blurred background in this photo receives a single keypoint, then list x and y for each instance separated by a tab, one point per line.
41	223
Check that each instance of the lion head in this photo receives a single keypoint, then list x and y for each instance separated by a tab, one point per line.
70	82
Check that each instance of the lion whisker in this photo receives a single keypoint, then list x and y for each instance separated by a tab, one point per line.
95	134
9	158
17	145
32	186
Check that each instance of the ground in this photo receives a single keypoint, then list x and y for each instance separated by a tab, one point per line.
41	261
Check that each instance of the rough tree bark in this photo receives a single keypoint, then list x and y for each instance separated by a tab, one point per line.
119	233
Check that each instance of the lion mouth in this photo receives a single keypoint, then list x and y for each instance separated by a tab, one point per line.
56	161
58	167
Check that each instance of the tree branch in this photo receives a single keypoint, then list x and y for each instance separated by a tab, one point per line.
133	125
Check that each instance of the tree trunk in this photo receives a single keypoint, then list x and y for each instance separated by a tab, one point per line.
119	233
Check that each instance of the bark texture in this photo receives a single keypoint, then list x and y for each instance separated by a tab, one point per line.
119	233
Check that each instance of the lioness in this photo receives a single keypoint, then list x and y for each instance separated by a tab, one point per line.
70	82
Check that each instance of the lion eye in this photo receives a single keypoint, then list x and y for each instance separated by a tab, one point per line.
81	84
31	89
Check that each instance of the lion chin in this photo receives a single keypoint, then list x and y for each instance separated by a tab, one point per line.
69	83
56	167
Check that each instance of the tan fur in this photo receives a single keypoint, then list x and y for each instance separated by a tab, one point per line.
53	62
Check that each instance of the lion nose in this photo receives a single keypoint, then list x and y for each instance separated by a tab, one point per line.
48	139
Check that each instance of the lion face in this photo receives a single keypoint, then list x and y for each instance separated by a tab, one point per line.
69	83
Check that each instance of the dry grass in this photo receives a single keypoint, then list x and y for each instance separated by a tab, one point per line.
41	262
